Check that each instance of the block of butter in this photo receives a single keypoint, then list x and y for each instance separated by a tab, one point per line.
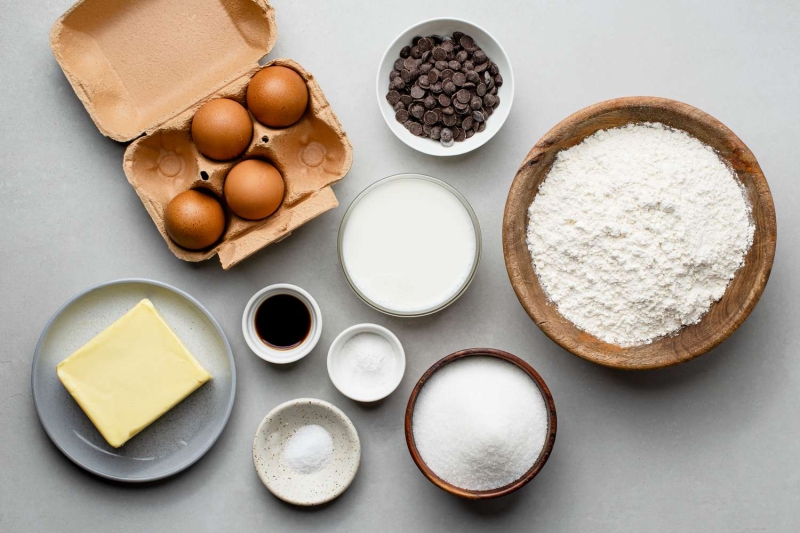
131	373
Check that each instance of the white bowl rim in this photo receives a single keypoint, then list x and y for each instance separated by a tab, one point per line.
343	418
435	148
270	354
351	332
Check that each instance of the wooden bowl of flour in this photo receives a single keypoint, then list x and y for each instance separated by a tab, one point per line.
724	316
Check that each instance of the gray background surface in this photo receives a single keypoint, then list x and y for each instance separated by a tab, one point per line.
708	446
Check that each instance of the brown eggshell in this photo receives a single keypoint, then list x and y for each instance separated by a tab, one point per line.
194	219
222	129
254	189
277	96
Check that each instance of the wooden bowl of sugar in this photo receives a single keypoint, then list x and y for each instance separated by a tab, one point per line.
690	339
480	423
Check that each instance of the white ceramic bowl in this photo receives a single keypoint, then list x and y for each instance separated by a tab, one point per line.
317	487
266	352
493	49
336	364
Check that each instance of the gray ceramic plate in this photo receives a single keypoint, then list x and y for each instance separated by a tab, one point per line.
173	442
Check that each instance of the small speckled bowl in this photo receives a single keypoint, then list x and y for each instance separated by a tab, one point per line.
306	489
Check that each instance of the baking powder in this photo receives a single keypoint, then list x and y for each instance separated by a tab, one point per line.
636	231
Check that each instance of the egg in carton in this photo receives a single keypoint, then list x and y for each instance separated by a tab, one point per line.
142	68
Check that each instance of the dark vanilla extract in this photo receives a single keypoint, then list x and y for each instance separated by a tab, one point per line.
283	321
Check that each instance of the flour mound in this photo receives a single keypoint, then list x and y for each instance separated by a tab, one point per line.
637	231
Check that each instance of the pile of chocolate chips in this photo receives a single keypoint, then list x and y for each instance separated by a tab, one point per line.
444	87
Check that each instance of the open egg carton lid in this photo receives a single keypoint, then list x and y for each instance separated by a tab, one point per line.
143	67
137	63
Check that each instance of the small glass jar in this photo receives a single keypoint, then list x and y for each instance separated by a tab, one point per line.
468	278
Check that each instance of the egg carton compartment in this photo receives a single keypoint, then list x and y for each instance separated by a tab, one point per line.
312	154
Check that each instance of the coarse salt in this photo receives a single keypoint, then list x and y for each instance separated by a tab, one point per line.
309	449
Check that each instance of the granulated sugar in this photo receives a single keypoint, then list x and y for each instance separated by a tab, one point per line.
637	231
309	449
480	423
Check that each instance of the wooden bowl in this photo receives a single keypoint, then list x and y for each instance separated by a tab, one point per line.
549	442
723	317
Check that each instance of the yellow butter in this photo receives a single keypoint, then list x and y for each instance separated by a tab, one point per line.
131	373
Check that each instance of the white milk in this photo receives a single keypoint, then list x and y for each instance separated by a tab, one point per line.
409	245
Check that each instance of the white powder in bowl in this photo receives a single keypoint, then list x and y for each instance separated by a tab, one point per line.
636	231
368	362
480	423
309	449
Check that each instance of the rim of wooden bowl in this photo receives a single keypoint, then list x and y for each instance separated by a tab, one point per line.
549	442
724	316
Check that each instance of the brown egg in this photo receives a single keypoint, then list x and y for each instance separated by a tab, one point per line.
254	189
194	219
221	129
277	96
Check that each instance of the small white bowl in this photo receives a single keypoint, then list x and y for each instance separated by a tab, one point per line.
335	364
306	489
493	49
259	347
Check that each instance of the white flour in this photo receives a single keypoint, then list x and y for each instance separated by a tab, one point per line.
636	231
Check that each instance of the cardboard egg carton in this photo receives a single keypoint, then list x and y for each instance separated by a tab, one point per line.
142	68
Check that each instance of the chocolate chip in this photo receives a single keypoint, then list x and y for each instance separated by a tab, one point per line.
416	53
493	90
498	80
440	66
466	41
454	65
393	74
408	123
490	100
448	87
436	133
476	102
462	56
415	39
393	97
417	92
439	114
424	82
406	99
405	52
398	106
417	111
430	102
481	89
425	44
430	118
449	120
468	66
444	100
467	123
447	134
401	116
447	74
399	65
481	127
457	35
479	56
463	96
487	112
398	83
461	137
409	63
425	68
459	79
405	75
469	85
415	128
449	110
478	116
426	130
447	46
439	53
493	70
436	88
433	76
425	56
470	133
